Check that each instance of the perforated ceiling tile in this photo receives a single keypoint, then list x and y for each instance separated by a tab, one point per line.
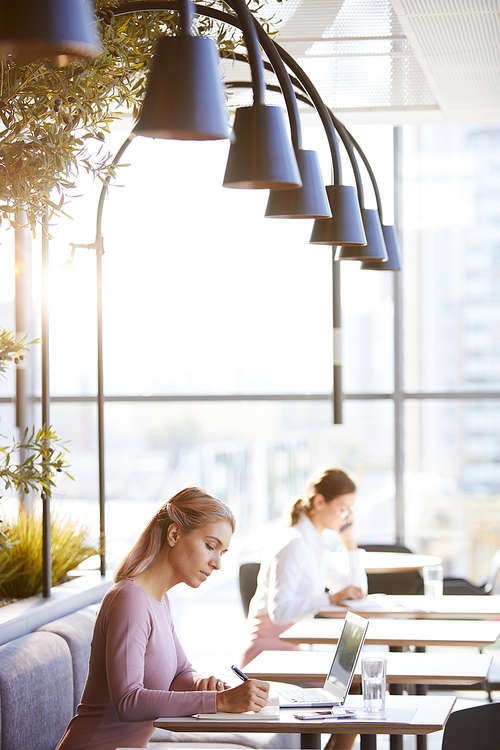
457	43
410	59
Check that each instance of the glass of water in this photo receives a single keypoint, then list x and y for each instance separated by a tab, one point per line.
433	580
373	676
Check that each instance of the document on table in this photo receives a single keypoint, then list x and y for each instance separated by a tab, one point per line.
371	603
268	713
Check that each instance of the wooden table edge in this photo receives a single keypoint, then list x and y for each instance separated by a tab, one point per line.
391	679
326	641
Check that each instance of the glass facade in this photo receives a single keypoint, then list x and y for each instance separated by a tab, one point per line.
218	347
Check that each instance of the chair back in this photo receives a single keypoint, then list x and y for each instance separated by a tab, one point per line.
404	582
248	583
463	586
473	727
493	573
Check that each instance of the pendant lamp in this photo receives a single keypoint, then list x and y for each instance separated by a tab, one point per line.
393	251
184	99
60	30
375	247
261	155
307	202
346	225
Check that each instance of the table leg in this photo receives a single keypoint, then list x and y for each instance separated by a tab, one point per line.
421	690
310	741
368	741
396	740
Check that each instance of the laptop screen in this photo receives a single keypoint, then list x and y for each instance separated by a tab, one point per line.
344	663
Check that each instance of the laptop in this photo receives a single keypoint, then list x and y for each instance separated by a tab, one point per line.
339	679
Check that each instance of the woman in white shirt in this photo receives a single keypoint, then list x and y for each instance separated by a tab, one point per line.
297	577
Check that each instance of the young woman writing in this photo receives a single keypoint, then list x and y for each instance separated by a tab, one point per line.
138	670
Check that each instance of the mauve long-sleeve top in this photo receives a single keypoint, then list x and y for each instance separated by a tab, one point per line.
138	671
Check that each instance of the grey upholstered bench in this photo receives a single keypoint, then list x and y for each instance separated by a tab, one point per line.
42	676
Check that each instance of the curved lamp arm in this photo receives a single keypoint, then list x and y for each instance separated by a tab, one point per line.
320	107
281	72
253	34
352	157
368	168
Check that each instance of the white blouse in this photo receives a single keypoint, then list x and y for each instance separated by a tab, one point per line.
293	576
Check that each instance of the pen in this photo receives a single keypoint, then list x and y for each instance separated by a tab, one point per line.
240	674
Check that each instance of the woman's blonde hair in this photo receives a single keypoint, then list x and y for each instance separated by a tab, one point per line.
331	483
190	509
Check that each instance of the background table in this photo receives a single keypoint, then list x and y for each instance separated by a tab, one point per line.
431	714
402	668
394	562
422	607
386	632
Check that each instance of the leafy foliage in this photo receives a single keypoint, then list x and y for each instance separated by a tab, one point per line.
44	453
12	349
21	566
53	120
36	472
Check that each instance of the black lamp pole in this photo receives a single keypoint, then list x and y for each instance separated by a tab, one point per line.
254	34
46	530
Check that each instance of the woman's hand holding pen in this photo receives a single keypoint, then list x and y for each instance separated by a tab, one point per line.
251	695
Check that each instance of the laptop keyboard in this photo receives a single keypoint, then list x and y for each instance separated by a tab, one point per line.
303	695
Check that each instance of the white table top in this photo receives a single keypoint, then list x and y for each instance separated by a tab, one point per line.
431	714
402	668
420	607
387	632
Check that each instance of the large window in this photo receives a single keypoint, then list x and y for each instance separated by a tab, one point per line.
218	346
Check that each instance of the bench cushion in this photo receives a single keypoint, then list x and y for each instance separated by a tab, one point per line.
36	691
76	629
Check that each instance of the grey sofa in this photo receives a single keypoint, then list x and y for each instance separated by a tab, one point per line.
42	675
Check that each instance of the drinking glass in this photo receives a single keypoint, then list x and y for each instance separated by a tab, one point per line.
433	580
373	676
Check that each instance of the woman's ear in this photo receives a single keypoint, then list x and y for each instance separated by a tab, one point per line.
173	535
318	501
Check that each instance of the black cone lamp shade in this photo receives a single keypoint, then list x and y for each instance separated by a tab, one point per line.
184	98
346	225
375	248
393	251
60	30
261	155
307	202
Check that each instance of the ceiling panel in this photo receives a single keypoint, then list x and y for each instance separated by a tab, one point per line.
394	60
